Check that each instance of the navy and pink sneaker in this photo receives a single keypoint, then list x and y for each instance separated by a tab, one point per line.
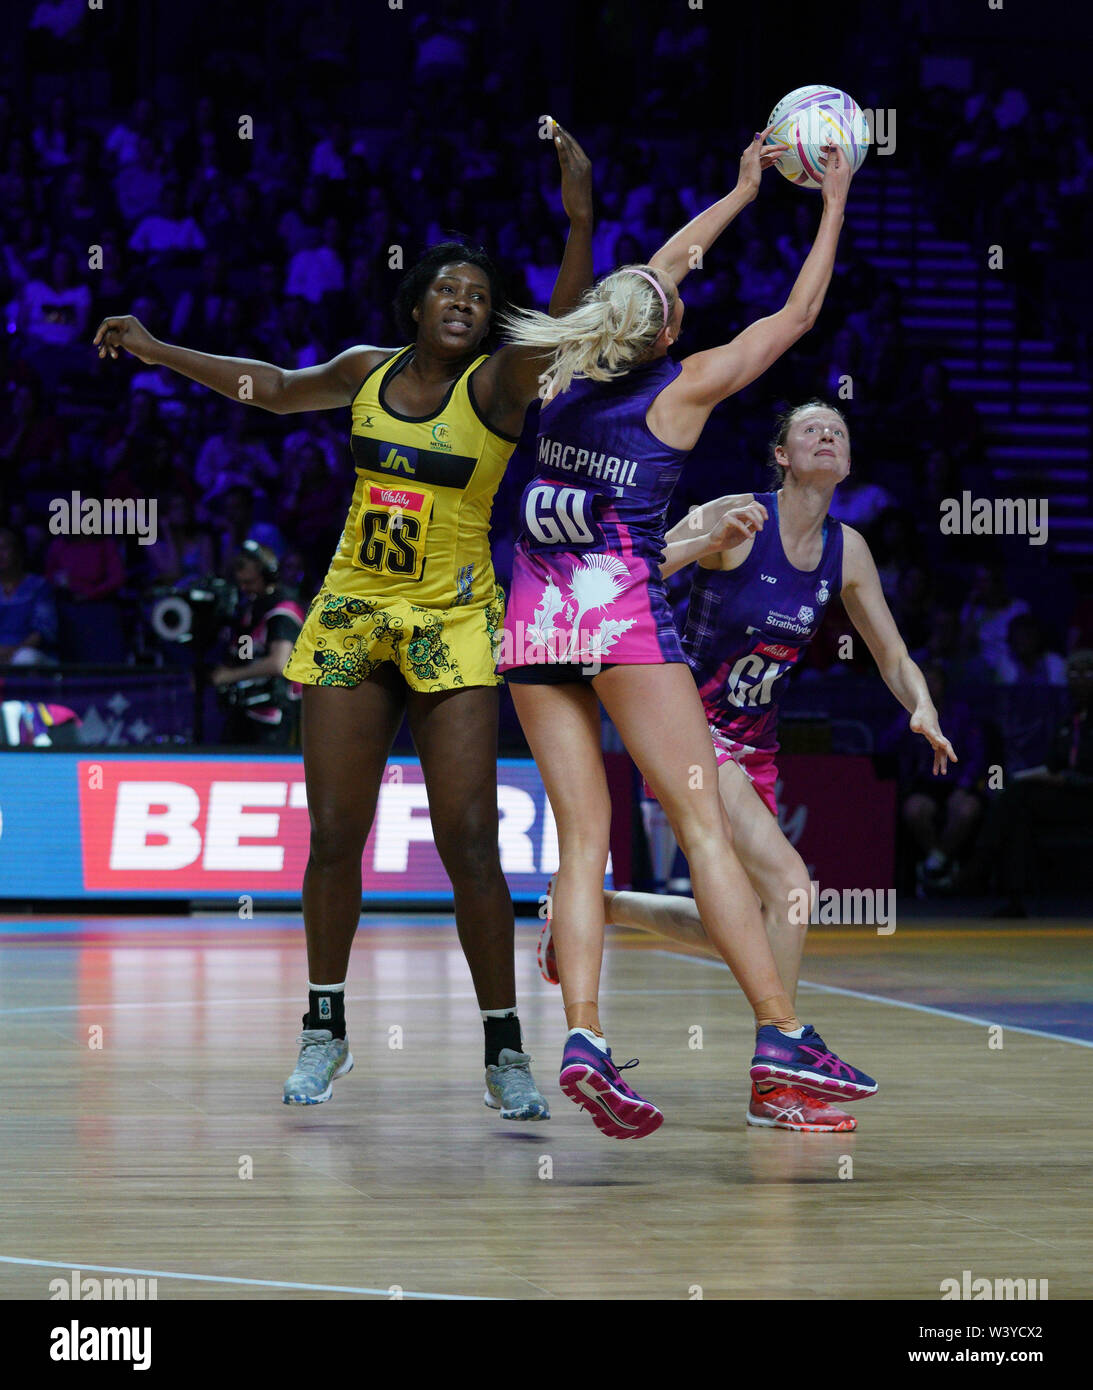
591	1080
807	1063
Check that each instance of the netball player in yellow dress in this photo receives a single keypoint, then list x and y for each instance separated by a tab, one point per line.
405	620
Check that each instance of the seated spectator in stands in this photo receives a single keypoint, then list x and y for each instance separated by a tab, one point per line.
28	618
54	137
311	504
896	547
197	313
234	455
234	510
988	613
941	813
139	185
169	234
1056	796
56	309
31	441
123	141
913	609
945	646
316	269
271	619
1026	662
183	550
84	569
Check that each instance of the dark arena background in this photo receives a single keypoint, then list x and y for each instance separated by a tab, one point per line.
253	181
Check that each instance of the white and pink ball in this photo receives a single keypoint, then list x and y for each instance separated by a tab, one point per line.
808	119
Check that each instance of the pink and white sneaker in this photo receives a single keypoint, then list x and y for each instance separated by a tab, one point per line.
591	1080
548	964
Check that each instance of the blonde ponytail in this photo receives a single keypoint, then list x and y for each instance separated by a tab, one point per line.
613	327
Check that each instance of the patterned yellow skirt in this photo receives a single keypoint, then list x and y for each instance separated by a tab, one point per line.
344	639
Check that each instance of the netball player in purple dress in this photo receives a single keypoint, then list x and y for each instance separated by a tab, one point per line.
588	623
758	599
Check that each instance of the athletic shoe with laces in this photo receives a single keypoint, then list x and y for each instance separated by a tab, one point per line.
786	1107
322	1058
548	964
591	1080
808	1064
511	1088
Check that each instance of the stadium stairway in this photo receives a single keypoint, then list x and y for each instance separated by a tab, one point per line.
1035	406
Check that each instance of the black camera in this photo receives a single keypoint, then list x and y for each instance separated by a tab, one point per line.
192	612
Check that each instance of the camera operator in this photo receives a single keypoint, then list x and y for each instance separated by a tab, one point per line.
263	707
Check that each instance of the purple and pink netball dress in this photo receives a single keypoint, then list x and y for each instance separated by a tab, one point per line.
746	629
586	585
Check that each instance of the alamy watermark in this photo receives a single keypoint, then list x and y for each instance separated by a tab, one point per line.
968	1287
844	907
111	516
995	516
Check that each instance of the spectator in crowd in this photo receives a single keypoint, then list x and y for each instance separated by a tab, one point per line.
964	669
1057	796
942	814
183	550
234	455
1026	662
235	511
988	613
57	308
138	186
28	618
316	269
163	237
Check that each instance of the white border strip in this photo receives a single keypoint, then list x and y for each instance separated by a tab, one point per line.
232	1279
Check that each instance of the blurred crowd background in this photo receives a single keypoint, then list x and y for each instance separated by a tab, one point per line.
372	129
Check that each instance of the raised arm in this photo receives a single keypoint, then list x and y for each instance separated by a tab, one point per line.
508	383
710	377
865	603
282	390
677	255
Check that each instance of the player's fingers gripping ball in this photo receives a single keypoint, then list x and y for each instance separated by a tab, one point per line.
806	121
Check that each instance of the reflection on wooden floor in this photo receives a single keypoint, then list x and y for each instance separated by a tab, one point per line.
166	1150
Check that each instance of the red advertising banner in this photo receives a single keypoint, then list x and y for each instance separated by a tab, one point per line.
840	816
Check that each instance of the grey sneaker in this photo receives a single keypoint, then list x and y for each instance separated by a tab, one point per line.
511	1088
322	1058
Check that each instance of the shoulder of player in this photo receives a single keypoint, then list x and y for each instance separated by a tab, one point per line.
857	557
356	364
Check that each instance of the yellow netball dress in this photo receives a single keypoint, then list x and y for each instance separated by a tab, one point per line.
412	581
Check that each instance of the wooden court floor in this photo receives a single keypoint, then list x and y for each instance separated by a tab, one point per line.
142	1131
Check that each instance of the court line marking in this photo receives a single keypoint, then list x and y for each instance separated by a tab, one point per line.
234	1279
295	999
900	1003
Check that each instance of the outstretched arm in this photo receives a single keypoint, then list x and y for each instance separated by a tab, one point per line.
278	389
864	600
709	377
507	384
684	251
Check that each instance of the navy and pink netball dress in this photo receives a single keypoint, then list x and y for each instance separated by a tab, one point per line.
746	629
586	585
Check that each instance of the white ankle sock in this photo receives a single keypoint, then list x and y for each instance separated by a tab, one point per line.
797	1032
601	1043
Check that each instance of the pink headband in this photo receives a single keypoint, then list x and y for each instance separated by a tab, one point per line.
656	285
